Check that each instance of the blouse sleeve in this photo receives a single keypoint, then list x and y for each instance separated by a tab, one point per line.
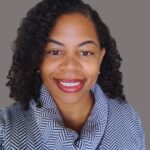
141	133
2	126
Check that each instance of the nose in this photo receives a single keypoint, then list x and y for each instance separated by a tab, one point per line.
70	64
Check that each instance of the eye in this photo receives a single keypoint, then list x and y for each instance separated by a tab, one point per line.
54	52
86	53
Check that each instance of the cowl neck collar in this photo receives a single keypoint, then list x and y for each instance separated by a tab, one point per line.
55	134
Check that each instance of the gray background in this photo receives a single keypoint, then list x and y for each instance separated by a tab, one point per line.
129	23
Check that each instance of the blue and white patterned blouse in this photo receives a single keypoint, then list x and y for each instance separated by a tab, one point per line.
111	125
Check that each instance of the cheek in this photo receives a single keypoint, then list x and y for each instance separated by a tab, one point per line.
46	69
92	69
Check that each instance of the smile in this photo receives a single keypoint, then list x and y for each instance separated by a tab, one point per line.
70	86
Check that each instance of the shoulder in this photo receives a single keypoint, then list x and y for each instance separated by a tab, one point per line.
8	111
6	115
3	118
123	111
2	124
126	121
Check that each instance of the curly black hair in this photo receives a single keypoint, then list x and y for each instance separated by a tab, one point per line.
23	78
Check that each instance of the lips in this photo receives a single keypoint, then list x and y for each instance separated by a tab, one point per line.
70	85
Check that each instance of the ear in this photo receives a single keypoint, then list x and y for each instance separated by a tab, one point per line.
102	54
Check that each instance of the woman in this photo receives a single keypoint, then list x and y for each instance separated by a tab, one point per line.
67	85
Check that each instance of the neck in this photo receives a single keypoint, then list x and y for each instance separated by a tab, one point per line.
74	116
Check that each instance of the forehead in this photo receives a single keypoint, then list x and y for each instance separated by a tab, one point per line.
74	29
74	23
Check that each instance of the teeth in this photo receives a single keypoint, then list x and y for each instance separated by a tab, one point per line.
70	84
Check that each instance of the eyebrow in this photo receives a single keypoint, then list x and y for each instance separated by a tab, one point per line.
81	44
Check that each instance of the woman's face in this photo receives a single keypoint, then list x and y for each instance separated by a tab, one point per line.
71	59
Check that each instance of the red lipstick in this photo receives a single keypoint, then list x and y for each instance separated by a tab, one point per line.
70	85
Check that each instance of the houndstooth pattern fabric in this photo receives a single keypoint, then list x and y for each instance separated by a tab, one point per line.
111	125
